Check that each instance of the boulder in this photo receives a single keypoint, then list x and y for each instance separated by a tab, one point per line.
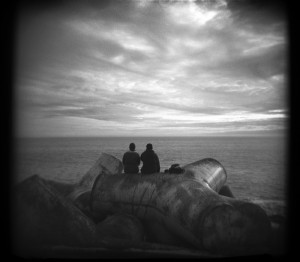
121	226
188	206
42	216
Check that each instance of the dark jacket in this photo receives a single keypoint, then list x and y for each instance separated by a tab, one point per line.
131	161
150	162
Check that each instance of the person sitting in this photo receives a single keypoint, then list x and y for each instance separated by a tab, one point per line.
150	161
131	160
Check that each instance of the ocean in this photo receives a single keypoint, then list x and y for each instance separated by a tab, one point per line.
256	166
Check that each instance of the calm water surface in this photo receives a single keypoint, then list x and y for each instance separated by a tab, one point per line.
256	166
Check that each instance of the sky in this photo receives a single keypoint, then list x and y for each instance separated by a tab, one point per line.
151	68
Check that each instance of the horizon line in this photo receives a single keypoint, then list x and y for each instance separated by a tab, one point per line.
159	136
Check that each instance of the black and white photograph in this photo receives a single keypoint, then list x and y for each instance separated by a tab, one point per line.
150	129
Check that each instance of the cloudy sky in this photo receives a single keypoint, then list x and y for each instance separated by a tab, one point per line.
151	68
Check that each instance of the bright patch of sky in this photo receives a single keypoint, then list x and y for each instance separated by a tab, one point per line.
93	68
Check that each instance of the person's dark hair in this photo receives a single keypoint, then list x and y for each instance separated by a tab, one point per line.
149	146
132	146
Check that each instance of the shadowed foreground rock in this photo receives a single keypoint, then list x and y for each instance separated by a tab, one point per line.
121	226
191	210
44	217
255	233
52	213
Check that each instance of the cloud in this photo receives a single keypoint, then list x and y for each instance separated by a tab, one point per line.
124	66
190	14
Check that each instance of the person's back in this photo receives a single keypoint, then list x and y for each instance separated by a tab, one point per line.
150	161
131	160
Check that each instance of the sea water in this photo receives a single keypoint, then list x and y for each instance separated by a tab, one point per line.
256	166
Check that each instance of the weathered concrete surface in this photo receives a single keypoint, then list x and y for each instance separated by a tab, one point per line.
43	216
276	211
106	164
121	226
157	232
275	239
226	191
255	230
256	222
55	213
62	188
185	206
79	194
182	210
207	171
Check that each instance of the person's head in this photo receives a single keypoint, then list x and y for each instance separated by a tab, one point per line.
149	146
132	146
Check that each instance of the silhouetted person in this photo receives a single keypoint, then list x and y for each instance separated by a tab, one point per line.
150	161
131	160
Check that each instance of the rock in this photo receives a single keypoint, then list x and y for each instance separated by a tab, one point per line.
192	209
226	191
277	213
187	206
80	195
208	171
121	226
44	217
255	224
106	164
157	233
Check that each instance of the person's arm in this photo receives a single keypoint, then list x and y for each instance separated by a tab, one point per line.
157	163
123	160
138	159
